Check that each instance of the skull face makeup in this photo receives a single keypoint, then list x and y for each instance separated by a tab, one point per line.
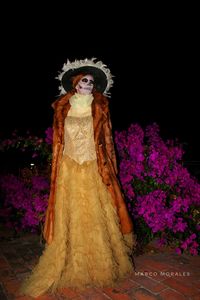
85	85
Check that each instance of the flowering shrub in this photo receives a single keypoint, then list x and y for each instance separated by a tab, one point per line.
163	198
25	200
25	195
37	147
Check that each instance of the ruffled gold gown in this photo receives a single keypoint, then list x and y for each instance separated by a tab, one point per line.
88	249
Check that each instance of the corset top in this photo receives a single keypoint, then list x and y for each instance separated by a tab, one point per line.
79	138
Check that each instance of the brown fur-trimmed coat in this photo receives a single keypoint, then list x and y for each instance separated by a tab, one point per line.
106	159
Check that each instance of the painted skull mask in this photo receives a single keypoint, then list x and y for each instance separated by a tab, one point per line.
85	85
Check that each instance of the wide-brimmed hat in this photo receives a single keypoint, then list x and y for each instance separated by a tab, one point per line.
100	72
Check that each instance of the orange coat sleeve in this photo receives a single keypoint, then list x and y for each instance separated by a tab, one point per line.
110	148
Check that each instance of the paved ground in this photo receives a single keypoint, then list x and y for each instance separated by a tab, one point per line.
158	276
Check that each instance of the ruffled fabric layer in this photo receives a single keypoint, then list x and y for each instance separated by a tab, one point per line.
88	249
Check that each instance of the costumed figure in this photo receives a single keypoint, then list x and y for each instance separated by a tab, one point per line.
88	231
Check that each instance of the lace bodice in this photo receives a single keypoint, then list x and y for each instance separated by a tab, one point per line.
79	138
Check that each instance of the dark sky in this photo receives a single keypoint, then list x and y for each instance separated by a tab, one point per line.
156	71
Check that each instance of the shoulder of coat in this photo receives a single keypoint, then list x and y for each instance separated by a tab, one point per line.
101	101
61	101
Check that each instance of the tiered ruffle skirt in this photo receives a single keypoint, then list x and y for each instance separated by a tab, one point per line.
88	249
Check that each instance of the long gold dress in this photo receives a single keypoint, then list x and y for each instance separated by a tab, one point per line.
88	249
